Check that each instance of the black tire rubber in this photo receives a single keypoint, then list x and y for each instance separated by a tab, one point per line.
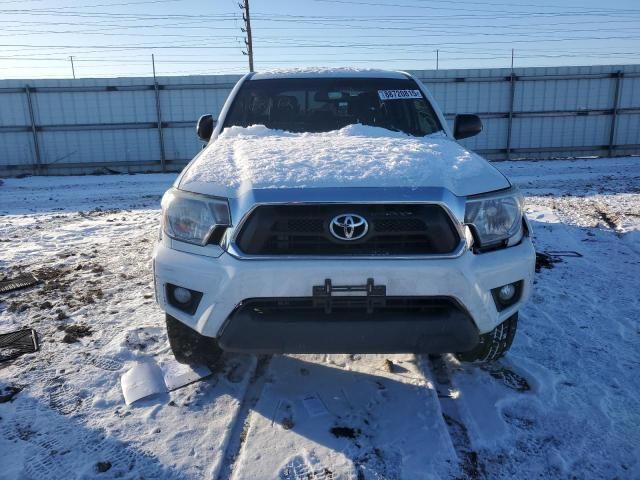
189	347
494	344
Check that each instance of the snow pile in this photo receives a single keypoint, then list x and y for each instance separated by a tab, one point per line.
328	71
355	156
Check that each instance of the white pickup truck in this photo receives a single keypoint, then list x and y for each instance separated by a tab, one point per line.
333	211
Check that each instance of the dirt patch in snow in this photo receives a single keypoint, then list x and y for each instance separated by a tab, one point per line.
345	432
544	260
74	333
99	212
102	467
507	377
9	392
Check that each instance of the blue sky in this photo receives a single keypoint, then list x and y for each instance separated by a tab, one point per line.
110	38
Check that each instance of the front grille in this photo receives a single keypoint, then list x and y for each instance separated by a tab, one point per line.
405	229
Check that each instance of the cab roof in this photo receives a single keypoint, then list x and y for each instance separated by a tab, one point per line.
322	72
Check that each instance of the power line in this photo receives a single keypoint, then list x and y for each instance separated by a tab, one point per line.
466	3
432	7
369	24
132	16
433	33
480	54
90	32
288	18
71	7
178	46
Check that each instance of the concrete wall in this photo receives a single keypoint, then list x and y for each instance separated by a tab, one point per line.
127	124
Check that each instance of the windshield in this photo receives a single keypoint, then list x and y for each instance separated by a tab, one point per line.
326	104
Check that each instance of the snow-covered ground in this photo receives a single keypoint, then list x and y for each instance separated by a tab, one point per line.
564	403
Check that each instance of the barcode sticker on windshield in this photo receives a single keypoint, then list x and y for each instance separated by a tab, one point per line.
398	94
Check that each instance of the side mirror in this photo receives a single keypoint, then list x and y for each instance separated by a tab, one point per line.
204	127
466	126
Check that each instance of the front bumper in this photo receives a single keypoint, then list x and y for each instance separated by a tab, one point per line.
402	325
226	282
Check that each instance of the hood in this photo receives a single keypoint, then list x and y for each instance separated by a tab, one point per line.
243	159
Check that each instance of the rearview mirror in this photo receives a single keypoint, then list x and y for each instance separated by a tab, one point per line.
466	126
204	127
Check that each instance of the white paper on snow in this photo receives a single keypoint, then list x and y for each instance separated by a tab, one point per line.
147	378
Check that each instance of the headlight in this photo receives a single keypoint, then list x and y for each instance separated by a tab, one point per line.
495	218
192	218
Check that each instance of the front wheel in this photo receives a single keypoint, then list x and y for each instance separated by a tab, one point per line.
188	346
493	344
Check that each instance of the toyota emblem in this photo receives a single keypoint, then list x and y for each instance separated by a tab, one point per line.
348	226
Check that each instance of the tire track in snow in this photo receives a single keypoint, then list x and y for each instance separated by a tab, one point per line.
345	417
447	396
472	406
527	426
236	438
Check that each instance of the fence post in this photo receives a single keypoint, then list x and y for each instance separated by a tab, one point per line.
614	111
34	130
512	87
159	116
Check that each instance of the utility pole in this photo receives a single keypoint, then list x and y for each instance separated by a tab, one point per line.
437	59
163	159
512	60
73	70
248	42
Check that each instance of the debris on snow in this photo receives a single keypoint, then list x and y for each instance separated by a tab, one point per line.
14	344
314	406
142	380
147	378
544	260
548	258
23	281
388	365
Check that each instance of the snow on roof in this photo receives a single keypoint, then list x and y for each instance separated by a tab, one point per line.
241	159
312	72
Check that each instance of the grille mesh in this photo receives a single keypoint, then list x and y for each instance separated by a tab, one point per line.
411	229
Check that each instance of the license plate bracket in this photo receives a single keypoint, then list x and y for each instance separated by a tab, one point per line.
324	295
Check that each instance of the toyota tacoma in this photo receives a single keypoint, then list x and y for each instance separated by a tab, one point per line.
333	211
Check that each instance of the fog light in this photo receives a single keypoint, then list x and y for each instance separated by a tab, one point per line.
507	292
507	295
183	298
182	295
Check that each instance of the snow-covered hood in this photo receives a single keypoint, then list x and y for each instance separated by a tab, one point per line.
243	159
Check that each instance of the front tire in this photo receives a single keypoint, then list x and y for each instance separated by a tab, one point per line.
188	346
494	344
